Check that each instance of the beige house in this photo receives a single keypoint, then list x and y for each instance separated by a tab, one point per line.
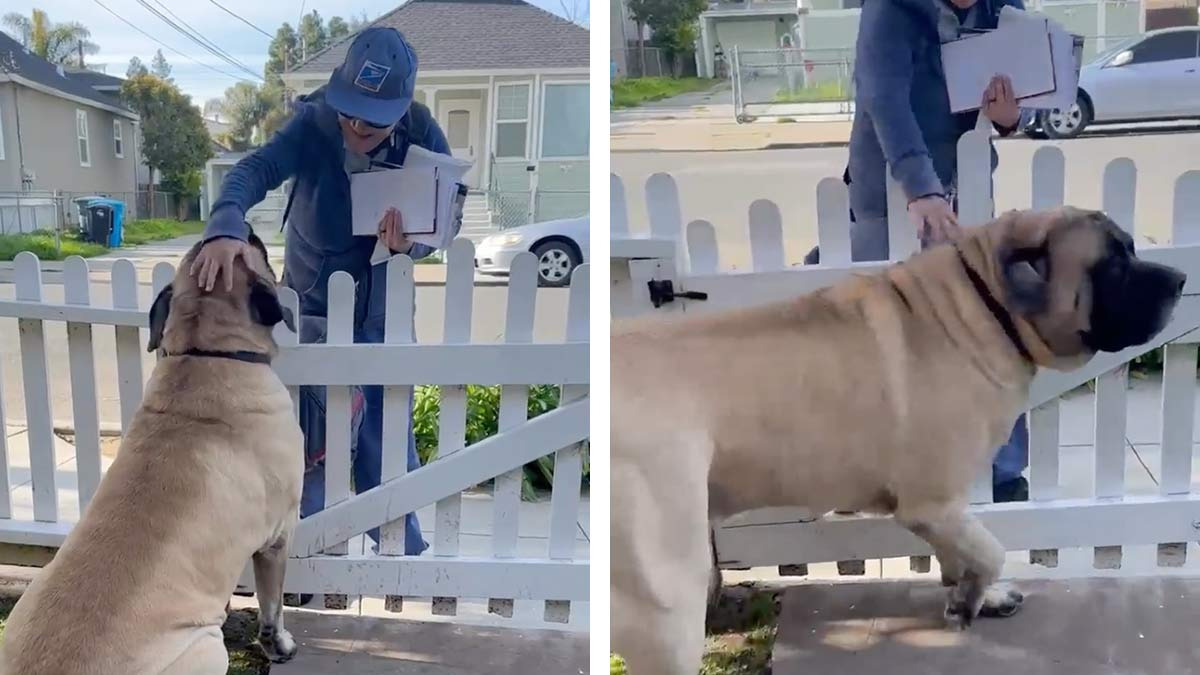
508	84
60	134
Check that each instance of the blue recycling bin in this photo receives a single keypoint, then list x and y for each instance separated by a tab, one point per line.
118	219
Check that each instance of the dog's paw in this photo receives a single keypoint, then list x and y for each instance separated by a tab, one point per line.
1001	601
278	644
958	615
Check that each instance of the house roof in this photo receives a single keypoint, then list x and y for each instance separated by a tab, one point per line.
96	80
464	35
31	70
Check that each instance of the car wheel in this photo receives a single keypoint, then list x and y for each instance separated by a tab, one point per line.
1067	123
555	262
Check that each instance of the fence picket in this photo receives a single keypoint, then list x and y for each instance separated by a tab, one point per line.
1110	432
162	274
1048	176
286	338
665	213
5	476
568	462
902	236
452	419
514	411
1178	404
129	342
34	370
974	177
339	331
1120	192
981	488
1185	228
833	221
398	329
703	253
1044	441
766	236
84	407
618	210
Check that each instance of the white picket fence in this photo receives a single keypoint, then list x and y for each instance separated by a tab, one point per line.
553	579
1110	532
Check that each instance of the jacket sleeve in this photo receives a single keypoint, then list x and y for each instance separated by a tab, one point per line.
434	140
248	182
884	75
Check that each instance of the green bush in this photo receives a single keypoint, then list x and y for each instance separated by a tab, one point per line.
483	420
137	232
41	243
634	91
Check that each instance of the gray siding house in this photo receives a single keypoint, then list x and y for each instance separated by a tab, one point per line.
59	133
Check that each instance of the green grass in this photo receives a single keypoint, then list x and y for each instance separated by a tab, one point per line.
41	244
136	233
825	91
632	92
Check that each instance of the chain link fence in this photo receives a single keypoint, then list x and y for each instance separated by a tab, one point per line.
630	62
789	82
514	208
59	211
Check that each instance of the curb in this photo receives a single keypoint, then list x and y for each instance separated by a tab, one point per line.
769	146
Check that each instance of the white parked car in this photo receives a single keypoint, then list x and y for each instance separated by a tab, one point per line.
1149	78
560	247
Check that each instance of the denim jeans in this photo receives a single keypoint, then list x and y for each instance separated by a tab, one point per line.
367	445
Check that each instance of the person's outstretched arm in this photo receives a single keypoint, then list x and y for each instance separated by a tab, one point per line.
884	75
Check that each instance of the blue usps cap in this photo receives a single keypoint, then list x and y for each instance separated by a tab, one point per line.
376	80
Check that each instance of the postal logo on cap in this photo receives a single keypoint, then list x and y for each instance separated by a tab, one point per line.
371	76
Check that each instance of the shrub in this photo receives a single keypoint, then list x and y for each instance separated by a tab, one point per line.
483	421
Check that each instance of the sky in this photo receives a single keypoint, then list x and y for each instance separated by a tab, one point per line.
118	42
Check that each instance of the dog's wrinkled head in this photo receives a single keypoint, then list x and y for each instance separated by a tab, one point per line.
1075	277
184	316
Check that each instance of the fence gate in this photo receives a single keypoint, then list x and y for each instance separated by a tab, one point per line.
521	567
1111	530
791	82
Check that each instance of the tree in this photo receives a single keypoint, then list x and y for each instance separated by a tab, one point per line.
575	11
174	140
136	67
338	29
159	66
313	37
639	11
673	23
282	53
245	106
62	43
359	22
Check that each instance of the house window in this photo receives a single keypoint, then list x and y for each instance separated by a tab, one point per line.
512	120
118	140
458	128
81	134
565	121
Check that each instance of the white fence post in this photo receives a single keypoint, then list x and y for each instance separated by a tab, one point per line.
339	330
129	342
618	209
76	285
833	222
702	248
765	227
40	431
400	299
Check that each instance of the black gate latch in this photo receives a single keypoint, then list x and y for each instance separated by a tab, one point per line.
664	291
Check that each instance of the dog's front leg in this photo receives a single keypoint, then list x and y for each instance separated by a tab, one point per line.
270	564
975	559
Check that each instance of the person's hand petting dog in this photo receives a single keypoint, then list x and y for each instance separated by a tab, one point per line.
391	232
1000	104
934	219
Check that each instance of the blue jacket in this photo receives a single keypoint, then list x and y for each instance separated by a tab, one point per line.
319	243
902	111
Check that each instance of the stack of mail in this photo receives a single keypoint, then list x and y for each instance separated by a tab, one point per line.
427	191
1036	53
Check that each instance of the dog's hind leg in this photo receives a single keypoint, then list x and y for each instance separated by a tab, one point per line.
270	564
958	536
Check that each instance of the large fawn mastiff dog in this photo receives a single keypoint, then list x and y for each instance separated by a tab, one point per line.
207	477
886	393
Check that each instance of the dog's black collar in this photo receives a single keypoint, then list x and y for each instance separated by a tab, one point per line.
241	355
998	310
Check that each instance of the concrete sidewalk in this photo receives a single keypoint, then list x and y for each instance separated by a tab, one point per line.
1127	626
372	646
695	134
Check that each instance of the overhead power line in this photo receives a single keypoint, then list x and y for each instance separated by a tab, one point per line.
212	47
239	18
200	40
201	63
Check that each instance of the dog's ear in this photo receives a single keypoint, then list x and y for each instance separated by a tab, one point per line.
266	309
158	316
1026	280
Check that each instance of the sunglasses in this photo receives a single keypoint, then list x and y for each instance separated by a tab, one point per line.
363	122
